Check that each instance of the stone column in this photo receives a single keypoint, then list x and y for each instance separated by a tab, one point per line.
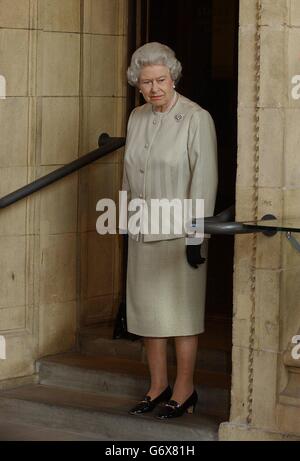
57	134
268	181
18	305
103	109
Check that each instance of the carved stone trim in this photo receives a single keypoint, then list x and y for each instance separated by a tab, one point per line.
255	207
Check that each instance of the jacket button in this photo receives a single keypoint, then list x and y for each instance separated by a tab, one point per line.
141	170
146	146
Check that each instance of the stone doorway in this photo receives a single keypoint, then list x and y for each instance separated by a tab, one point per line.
204	35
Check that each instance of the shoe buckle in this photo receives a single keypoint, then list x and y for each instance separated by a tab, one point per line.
173	404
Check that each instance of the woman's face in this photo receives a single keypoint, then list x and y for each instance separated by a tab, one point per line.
157	86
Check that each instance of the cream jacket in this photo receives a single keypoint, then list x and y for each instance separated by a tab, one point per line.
169	156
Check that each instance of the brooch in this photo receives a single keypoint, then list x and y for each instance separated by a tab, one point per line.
178	117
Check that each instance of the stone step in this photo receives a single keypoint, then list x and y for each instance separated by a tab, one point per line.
98	415
98	341
14	431
130	378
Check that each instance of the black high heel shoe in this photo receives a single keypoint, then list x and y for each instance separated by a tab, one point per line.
173	409
146	405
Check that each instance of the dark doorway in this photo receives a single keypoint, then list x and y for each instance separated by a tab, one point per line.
204	36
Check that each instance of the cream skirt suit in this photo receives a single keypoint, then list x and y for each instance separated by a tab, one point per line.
170	156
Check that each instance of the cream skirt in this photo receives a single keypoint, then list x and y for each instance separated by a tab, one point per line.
165	295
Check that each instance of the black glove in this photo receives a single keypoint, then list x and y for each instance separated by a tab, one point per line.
193	255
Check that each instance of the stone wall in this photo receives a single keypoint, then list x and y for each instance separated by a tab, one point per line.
104	102
64	67
265	382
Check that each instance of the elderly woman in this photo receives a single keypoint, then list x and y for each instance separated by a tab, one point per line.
170	154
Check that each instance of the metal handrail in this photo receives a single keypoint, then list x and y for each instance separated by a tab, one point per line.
106	146
223	223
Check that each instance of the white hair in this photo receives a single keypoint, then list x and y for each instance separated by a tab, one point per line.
151	54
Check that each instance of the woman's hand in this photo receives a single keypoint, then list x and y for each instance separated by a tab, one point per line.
193	255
